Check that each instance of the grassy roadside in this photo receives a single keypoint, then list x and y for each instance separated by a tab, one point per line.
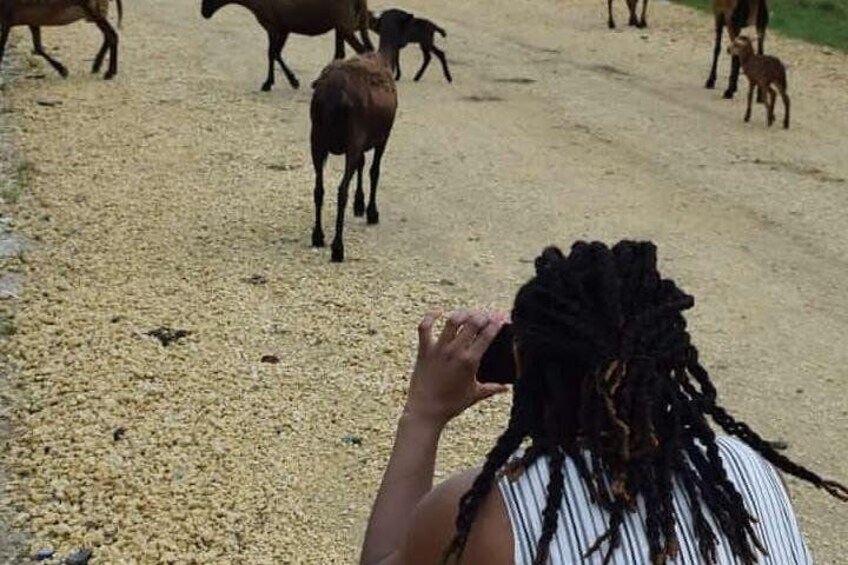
817	21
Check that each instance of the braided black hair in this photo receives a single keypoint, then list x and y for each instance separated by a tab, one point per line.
607	367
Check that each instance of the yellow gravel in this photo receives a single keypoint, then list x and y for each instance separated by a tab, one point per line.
157	197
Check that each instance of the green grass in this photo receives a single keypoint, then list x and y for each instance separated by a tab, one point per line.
817	21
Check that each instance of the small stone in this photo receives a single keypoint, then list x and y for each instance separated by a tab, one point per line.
119	433
272	359
446	282
352	440
49	102
79	557
44	554
256	279
167	336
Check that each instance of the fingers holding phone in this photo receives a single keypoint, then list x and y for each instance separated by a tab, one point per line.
444	382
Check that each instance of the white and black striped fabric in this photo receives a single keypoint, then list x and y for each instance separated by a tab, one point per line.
581	521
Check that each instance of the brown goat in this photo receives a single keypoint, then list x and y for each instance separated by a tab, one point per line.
304	17
421	31
352	111
42	13
736	15
631	6
762	71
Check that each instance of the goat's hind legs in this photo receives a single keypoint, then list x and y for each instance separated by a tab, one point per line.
786	105
110	42
359	197
373	213
38	49
319	157
750	100
352	161
772	98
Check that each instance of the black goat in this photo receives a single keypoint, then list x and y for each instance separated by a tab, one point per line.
421	31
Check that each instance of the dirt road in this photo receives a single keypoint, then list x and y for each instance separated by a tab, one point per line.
157	197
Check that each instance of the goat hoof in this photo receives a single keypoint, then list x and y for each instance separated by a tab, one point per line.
109	76
611	24
317	239
337	255
358	209
267	86
295	84
373	217
710	83
728	94
63	72
642	25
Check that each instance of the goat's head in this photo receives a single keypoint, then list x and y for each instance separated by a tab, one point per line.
394	27
741	47
373	22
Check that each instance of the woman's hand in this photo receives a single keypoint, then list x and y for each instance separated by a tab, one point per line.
444	381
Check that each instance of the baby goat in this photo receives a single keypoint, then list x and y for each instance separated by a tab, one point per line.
421	31
38	13
762	71
352	111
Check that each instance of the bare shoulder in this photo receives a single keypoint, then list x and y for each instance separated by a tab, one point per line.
434	525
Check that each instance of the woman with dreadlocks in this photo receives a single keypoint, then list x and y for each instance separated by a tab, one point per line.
611	403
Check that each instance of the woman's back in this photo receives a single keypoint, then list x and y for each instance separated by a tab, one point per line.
581	521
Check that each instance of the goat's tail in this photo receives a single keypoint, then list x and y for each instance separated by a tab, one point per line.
441	31
331	109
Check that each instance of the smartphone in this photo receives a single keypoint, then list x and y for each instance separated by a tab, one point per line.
498	363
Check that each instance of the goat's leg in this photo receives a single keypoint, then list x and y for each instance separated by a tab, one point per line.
38	49
610	21
631	7
427	57
373	213
110	39
359	197
340	48
4	37
287	71
761	36
643	22
354	42
719	31
98	59
441	55
366	38
397	64
352	160
785	98
750	99
735	66
319	157
772	98
274	47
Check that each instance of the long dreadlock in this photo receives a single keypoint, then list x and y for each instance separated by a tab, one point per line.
607	367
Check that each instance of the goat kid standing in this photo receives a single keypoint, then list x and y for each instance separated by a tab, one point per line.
736	15
42	13
352	111
421	31
762	71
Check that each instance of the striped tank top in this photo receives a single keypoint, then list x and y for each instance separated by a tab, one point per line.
581	521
